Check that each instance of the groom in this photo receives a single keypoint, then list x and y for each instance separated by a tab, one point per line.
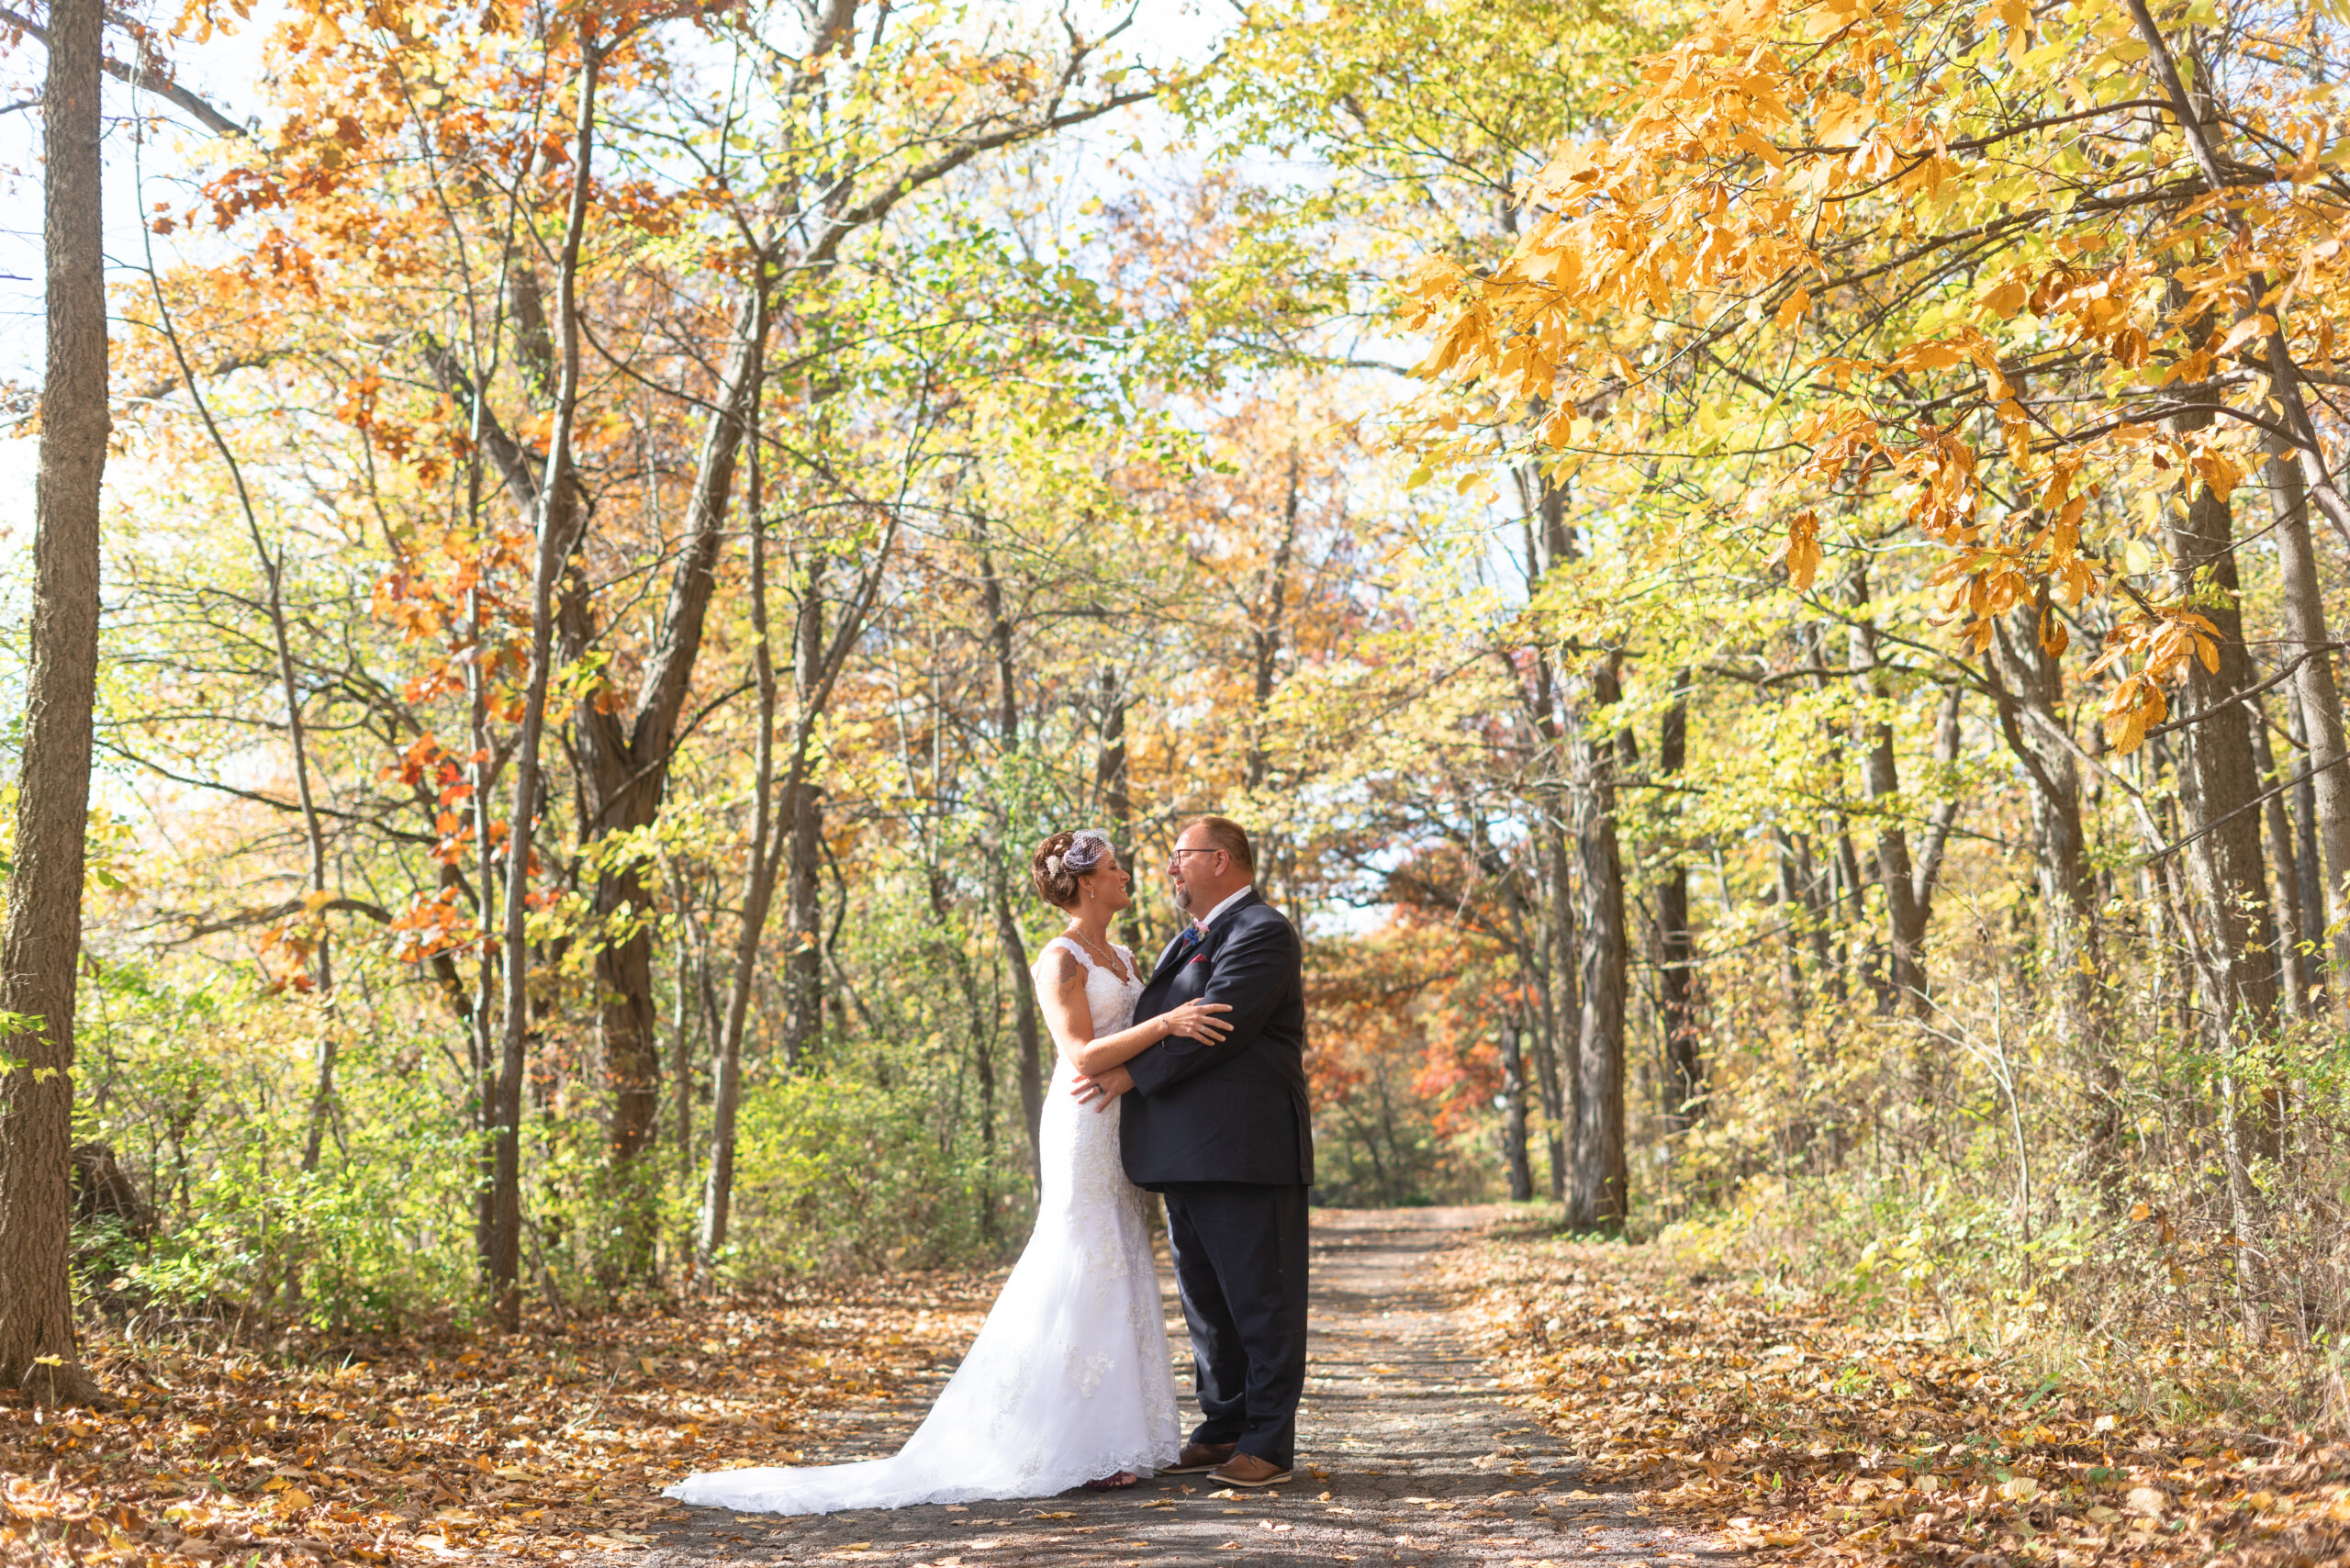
1221	1129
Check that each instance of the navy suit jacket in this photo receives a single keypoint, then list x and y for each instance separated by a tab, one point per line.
1236	1110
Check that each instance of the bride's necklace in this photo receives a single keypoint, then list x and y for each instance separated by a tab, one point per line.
1116	964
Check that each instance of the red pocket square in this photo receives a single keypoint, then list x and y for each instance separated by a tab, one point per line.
1198	959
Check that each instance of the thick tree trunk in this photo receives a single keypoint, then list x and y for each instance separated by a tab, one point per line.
41	942
1598	1198
1109	762
2219	781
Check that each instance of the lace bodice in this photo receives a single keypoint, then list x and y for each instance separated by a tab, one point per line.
1090	1136
1069	1378
1109	996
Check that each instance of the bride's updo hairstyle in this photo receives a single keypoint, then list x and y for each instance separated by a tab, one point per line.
1064	860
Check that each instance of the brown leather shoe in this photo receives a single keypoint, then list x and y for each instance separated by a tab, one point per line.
1247	1470
1197	1457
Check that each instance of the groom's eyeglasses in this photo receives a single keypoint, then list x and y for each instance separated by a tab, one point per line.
1175	856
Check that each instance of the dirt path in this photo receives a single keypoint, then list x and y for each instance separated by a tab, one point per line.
1407	1455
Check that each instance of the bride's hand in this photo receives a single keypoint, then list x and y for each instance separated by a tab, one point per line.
1101	1091
1198	1021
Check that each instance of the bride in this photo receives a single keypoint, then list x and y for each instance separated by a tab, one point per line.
1067	1383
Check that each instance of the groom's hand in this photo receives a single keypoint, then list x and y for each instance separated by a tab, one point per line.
1106	1087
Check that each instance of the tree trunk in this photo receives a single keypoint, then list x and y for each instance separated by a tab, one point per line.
1513	1160
1793	911
1905	977
481	773
1597	1200
1818	895
558	516
2275	815
803	964
984	1069
758	890
41	942
1111	778
2219	781
1266	634
2328	788
1684	1073
624	770
803	972
1557	1067
681	1049
1556	1062
1510	1038
2309	864
2028	688
1026	1030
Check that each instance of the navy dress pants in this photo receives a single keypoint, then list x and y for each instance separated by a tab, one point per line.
1240	1263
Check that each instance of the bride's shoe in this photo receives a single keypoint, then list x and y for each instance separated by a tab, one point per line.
1117	1483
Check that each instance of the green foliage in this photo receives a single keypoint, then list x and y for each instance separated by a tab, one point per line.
836	1172
199	1088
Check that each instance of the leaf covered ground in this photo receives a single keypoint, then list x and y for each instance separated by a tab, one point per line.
422	1449
1810	1432
1793	1428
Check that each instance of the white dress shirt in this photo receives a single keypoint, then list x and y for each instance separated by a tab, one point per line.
1209	918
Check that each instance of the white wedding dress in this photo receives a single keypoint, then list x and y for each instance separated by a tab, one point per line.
1069	1380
